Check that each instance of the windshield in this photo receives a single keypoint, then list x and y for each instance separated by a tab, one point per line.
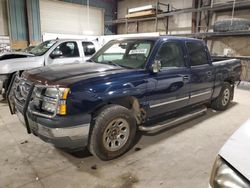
42	48
128	53
28	49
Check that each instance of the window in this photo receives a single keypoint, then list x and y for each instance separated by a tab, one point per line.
115	52
88	48
67	49
171	55
127	53
197	53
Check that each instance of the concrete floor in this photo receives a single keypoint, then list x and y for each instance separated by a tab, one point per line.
178	157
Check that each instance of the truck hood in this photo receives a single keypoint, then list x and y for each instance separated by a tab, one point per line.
16	53
67	74
236	151
12	65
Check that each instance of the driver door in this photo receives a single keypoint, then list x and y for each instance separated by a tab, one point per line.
66	52
169	87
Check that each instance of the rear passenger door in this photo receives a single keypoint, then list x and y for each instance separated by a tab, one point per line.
202	74
170	86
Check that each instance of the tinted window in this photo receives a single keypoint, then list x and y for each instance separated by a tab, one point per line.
198	55
68	49
171	55
127	53
88	48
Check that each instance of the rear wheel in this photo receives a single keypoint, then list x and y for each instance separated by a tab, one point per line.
222	101
113	132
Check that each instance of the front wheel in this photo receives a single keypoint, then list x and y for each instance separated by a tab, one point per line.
223	100
113	132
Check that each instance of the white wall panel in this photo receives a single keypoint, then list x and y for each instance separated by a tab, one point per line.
68	18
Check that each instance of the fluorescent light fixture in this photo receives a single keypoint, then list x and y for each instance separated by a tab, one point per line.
142	8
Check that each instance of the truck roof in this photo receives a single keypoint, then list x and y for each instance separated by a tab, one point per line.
65	40
166	37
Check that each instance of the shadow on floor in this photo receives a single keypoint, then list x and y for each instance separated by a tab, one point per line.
153	138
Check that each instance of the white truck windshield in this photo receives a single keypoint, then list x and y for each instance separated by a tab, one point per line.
42	48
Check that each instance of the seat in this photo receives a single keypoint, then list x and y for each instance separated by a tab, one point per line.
66	51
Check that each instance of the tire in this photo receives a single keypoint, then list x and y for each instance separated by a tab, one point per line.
228	25
113	132
223	100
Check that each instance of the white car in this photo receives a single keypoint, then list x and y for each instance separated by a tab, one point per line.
51	52
232	166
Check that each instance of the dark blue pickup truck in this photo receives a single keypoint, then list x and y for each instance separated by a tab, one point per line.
129	85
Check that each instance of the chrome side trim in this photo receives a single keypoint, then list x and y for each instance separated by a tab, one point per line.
168	102
199	94
173	121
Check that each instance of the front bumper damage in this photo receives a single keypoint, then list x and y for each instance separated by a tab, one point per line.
68	132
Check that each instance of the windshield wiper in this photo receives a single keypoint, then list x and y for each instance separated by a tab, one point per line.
109	63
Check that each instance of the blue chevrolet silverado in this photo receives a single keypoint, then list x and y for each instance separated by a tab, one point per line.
129	85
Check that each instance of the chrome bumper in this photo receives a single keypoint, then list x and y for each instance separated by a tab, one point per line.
67	137
74	133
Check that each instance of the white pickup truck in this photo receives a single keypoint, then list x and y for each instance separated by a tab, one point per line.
51	52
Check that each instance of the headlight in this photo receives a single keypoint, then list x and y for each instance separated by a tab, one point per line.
52	92
223	176
51	99
49	104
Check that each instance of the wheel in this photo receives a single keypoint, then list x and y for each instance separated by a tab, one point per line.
113	132
222	101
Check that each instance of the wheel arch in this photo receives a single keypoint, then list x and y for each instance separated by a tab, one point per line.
129	102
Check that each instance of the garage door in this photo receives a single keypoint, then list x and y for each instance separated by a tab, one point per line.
69	18
3	18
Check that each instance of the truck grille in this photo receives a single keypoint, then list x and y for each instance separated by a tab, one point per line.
21	90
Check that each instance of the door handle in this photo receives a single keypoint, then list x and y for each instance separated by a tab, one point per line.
185	78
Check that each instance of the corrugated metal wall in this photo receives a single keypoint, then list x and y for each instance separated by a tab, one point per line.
35	19
3	19
17	20
18	23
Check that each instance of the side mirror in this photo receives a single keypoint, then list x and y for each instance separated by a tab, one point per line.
156	66
56	54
